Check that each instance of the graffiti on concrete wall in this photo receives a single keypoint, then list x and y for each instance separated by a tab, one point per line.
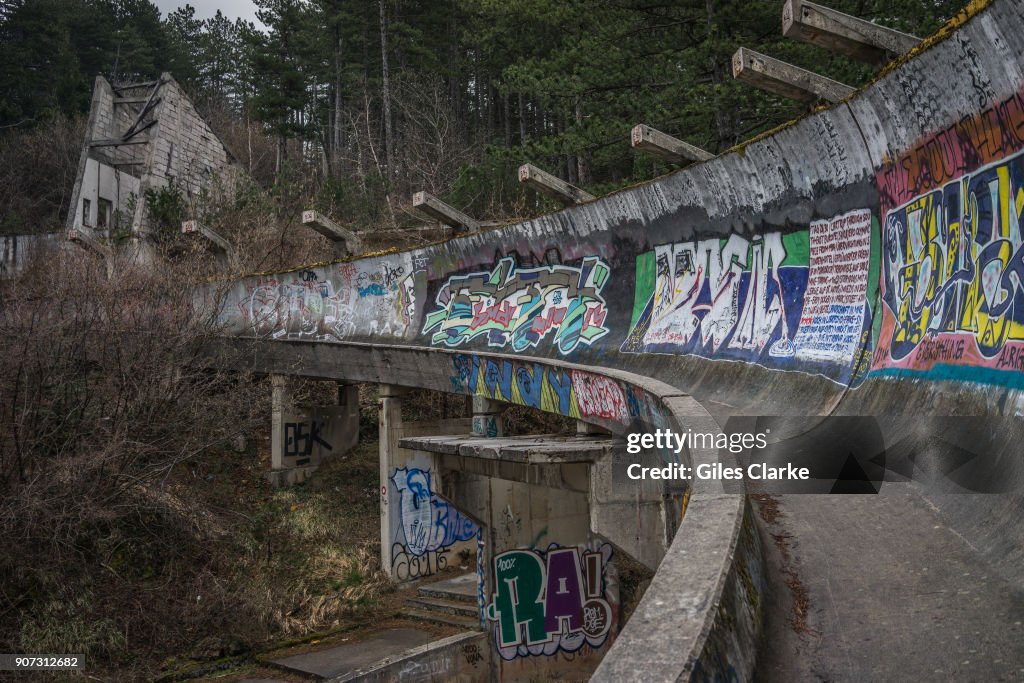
376	297
952	278
743	299
556	601
834	303
520	307
570	392
300	438
725	297
424	526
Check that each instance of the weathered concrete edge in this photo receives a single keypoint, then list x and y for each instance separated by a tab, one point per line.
447	652
702	616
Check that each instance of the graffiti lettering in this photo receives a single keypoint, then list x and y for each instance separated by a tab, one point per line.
545	603
472	654
574	393
313	305
716	296
953	271
833	315
299	439
428	522
520	307
407	567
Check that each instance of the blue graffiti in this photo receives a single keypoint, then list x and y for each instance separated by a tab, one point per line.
428	522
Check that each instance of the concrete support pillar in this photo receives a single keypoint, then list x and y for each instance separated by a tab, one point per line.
487	419
584	428
280	406
303	436
389	422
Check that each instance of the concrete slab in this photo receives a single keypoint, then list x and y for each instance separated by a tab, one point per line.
541	449
343	659
460	586
880	588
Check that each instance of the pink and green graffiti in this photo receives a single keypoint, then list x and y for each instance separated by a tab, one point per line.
521	306
544	603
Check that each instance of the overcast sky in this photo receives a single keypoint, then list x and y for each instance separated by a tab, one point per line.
207	8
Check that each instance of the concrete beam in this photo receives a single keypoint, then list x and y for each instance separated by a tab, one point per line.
664	146
786	80
487	419
118	142
216	242
345	241
131	100
557	188
447	214
838	32
90	243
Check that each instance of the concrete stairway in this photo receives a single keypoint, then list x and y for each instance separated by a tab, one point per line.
452	602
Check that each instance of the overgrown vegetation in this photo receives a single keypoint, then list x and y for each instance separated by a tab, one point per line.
133	530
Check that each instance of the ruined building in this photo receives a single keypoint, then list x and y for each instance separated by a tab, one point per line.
143	139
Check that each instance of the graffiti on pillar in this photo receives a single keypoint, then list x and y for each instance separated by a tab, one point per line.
952	278
301	437
743	299
336	302
574	393
519	307
549	602
427	525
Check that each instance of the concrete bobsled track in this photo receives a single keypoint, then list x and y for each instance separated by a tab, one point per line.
865	260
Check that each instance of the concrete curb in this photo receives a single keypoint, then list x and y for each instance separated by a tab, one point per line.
445	659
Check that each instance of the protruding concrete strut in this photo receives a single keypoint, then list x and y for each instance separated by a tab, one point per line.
215	241
664	146
552	186
838	32
345	241
447	214
88	241
784	79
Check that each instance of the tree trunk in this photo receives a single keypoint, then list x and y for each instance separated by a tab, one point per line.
337	143
582	160
507	115
522	120
389	151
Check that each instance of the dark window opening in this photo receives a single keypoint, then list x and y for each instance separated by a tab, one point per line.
105	212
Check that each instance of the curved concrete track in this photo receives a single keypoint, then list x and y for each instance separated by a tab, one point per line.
865	260
891	593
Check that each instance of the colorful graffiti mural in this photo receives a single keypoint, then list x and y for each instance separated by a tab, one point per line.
556	601
746	299
519	307
374	298
952	260
835	309
574	393
424	526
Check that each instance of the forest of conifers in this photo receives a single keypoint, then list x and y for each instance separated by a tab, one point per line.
357	103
